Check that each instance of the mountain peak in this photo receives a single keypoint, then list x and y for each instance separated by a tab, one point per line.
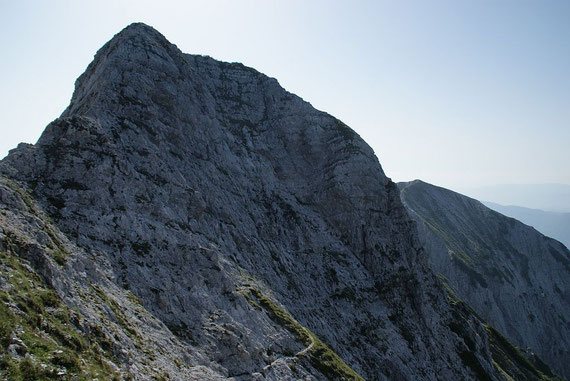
251	227
139	49
138	28
404	184
139	36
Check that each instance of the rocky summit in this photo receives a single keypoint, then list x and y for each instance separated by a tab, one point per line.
189	219
513	276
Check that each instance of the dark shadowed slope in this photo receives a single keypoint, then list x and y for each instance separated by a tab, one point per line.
212	225
513	276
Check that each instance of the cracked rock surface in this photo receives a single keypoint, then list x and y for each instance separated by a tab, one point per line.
248	225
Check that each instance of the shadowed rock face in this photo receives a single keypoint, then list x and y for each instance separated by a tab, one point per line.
512	275
246	222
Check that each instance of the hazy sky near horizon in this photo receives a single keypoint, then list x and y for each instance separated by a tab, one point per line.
456	93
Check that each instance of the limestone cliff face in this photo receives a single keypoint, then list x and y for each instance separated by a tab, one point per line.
260	236
513	276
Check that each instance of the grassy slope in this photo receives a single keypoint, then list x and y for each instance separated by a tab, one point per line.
39	338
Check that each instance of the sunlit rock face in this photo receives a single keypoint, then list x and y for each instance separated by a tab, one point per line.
217	226
514	277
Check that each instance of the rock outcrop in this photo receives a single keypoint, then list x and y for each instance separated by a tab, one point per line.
212	225
514	277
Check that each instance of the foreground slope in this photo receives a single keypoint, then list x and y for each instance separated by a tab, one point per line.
217	226
516	278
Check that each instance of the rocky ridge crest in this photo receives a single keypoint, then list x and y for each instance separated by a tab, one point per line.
259	235
516	278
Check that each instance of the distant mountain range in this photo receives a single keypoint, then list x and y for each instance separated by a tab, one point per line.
513	276
547	197
552	224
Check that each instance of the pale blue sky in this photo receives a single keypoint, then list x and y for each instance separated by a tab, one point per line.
457	93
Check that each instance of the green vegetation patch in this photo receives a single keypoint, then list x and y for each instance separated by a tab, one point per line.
57	249
37	326
509	359
134	299
465	266
121	319
322	357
